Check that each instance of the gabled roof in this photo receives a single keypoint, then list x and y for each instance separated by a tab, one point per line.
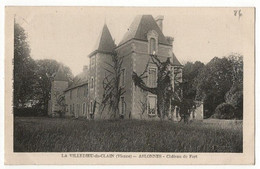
139	28
79	80
105	42
60	75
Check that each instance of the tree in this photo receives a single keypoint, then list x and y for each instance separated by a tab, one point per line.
60	98
111	85
213	82
236	61
235	95
24	67
224	111
164	89
45	73
142	106
190	72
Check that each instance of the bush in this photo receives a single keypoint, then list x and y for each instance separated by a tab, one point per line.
28	112
235	97
60	113
224	111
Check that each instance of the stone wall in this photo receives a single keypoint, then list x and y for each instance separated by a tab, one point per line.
140	59
75	102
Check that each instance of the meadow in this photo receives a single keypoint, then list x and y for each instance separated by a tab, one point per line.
43	134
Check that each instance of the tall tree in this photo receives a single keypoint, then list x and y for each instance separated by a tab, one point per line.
213	82
190	72
24	67
235	95
45	72
164	89
111	85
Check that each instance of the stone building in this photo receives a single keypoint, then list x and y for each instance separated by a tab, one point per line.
143	38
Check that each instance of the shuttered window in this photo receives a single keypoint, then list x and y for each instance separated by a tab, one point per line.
152	77
152	46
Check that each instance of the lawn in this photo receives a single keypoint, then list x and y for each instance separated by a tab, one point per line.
32	134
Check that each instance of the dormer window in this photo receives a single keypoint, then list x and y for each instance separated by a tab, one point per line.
152	46
92	83
152	37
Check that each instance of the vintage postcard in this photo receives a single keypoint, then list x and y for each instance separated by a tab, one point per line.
129	85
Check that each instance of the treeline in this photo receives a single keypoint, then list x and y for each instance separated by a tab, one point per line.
32	78
219	84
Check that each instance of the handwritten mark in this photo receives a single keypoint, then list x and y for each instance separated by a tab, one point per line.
238	13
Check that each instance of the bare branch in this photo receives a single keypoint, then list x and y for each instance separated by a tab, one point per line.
140	83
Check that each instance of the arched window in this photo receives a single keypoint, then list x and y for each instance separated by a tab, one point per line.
152	46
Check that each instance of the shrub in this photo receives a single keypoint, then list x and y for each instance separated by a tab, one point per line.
60	113
235	97
28	112
224	111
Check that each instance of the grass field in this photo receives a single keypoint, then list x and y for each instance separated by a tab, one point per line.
80	135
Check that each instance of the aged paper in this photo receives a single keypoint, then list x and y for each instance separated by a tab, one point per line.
60	34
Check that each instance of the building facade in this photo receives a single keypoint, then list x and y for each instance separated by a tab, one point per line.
143	38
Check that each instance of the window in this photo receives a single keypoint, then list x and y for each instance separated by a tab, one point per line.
122	77
77	111
152	77
71	112
92	62
177	109
70	94
91	107
152	46
123	105
84	108
152	101
86	90
78	91
92	83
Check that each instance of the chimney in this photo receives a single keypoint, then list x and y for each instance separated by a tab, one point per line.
85	68
169	39
159	21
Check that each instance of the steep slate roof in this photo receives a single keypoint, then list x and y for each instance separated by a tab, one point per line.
105	42
175	61
79	80
141	25
60	75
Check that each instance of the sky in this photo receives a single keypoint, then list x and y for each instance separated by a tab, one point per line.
69	34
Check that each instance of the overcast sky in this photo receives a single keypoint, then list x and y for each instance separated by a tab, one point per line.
69	34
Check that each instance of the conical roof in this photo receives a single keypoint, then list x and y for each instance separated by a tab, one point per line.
139	28
105	42
60	75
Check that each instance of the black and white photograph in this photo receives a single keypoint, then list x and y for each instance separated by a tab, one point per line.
121	81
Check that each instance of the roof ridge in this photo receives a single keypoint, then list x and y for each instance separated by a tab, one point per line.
140	27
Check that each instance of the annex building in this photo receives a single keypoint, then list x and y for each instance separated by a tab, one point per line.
84	96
